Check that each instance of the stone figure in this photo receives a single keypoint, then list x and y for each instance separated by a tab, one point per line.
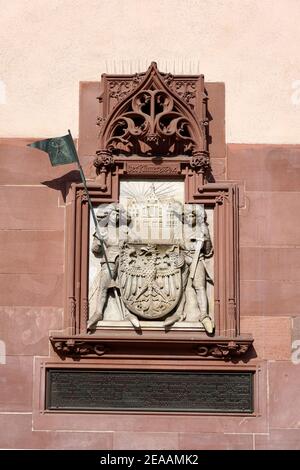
197	246
110	220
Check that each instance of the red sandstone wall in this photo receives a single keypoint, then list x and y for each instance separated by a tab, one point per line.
32	218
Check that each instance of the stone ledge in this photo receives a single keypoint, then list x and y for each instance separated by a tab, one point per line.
151	344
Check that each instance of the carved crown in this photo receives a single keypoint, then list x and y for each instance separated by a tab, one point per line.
155	114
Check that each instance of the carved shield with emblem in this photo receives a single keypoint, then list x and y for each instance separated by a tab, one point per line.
150	279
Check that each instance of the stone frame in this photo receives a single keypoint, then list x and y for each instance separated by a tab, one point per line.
174	421
190	98
225	343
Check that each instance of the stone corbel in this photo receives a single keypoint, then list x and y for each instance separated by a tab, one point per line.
103	163
200	166
200	161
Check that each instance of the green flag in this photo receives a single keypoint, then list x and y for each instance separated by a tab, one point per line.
61	150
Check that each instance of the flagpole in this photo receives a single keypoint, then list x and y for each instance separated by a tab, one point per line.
96	223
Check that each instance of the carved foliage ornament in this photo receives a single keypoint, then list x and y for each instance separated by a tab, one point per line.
186	89
153	121
71	348
119	89
210	348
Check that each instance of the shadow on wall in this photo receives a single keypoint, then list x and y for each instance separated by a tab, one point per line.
62	183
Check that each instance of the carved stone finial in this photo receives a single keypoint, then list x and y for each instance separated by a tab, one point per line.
103	162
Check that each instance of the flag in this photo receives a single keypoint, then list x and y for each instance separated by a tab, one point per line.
61	150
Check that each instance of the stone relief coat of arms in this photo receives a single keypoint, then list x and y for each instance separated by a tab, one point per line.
156	248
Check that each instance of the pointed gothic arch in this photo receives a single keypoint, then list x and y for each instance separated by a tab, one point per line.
153	120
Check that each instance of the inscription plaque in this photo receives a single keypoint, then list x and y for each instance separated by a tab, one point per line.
214	392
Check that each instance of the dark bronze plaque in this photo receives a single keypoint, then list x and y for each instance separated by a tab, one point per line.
214	392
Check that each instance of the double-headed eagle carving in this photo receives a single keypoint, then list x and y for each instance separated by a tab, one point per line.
150	279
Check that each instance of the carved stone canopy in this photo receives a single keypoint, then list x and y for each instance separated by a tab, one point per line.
155	114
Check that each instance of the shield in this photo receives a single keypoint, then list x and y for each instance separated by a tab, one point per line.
150	279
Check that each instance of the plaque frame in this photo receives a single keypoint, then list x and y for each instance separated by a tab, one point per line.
44	418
